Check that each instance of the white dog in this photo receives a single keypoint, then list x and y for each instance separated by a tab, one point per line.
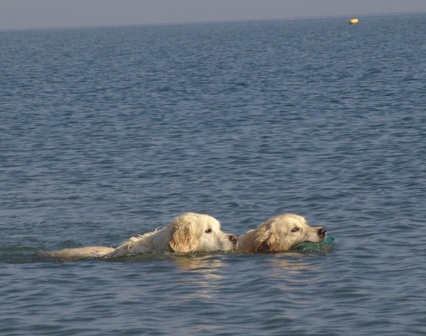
280	233
186	233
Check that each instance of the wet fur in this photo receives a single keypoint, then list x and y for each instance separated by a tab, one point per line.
280	233
186	233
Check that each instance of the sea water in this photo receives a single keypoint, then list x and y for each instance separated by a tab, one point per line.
106	133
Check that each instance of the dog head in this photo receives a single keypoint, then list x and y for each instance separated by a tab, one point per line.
198	232
282	233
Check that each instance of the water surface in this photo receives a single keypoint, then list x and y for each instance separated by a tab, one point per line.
107	133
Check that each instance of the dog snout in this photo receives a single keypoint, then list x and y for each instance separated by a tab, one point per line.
322	231
233	238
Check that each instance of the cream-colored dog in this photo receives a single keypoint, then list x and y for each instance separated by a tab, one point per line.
280	233
186	233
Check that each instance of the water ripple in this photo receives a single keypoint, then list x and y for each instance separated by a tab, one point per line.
107	133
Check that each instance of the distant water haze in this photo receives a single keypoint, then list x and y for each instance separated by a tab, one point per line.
27	14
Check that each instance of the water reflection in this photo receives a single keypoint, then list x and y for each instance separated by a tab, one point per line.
205	275
203	264
290	262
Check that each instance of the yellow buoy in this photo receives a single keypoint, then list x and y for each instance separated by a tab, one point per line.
353	21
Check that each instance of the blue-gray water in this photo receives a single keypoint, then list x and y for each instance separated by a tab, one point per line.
106	133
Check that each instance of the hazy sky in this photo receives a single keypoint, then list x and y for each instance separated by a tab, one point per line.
23	14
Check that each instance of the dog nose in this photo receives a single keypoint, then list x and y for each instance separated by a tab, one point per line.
233	238
322	231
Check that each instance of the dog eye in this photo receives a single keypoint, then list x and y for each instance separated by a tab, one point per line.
295	229
208	231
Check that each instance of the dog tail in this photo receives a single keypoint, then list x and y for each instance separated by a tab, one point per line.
81	252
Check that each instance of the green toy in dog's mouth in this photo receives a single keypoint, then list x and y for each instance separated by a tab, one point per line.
324	246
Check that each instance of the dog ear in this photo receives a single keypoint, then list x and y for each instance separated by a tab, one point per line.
262	236
264	247
266	237
183	238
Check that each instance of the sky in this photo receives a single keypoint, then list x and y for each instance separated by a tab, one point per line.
35	14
